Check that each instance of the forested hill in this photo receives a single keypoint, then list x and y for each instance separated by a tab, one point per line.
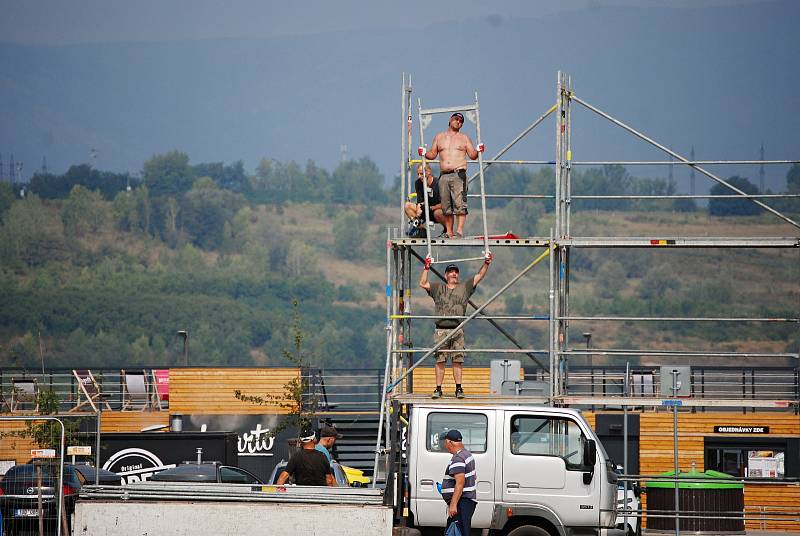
93	274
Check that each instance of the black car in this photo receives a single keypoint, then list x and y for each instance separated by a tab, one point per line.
19	495
206	472
106	478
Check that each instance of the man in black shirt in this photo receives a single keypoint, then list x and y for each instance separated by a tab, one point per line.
414	206
308	466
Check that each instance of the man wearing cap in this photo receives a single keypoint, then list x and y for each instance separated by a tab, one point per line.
453	147
327	438
413	208
308	466
459	483
451	298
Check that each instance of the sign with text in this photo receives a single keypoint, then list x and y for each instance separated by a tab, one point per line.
76	450
43	453
741	429
135	457
256	447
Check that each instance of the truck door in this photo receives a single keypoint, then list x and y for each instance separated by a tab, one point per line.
542	464
431	460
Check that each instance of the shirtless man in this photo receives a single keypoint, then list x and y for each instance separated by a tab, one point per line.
453	147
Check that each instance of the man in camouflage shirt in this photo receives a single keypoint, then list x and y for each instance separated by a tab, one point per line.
451	298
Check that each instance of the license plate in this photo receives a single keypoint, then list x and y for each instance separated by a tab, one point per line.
26	512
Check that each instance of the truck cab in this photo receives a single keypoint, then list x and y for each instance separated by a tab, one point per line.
540	470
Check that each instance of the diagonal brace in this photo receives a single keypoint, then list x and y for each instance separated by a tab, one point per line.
441	343
682	159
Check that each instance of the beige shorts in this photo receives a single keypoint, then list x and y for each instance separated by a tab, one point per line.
453	192
454	343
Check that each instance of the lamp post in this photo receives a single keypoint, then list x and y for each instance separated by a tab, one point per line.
185	334
588	336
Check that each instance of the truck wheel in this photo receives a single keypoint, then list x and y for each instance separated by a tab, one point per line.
529	530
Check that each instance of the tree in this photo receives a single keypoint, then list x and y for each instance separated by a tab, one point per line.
347	236
297	396
132	210
84	211
168	174
733	207
47	434
6	198
206	211
356	182
31	234
230	177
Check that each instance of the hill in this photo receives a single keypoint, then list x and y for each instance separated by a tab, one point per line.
84	291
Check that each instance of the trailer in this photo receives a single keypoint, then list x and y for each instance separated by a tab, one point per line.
541	470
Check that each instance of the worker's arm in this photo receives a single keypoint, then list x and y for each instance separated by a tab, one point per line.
423	277
482	272
433	152
330	481
472	152
452	510
283	478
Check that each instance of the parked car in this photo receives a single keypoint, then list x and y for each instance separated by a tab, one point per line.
206	472
106	478
632	525
19	495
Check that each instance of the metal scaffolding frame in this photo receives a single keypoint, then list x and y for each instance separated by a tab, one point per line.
400	361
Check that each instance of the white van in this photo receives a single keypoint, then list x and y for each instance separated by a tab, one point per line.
541	471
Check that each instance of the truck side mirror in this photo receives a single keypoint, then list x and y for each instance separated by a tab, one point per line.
589	453
589	458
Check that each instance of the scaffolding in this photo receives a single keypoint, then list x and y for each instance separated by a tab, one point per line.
552	363
403	259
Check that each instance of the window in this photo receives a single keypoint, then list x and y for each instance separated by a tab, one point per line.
747	462
548	436
754	457
473	428
232	475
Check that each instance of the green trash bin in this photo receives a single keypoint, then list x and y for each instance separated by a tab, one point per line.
705	501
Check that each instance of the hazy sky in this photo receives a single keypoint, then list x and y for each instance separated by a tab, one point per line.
253	79
82	21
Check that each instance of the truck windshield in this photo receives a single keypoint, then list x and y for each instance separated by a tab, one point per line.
548	436
473	428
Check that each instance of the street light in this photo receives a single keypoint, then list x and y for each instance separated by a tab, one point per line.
588	337
185	334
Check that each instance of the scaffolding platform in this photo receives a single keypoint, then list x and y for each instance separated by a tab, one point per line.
469	400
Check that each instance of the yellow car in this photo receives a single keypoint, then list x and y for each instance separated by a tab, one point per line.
355	477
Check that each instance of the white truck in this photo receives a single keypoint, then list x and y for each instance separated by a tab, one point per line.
541	472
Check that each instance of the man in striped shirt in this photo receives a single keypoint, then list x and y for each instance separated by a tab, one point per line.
458	486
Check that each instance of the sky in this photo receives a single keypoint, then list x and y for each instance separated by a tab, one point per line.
251	79
93	21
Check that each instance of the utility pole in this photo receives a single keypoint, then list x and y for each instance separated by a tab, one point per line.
761	169
691	173
44	165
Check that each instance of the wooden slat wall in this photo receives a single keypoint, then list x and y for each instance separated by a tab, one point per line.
14	448
656	452
131	421
475	380
210	391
